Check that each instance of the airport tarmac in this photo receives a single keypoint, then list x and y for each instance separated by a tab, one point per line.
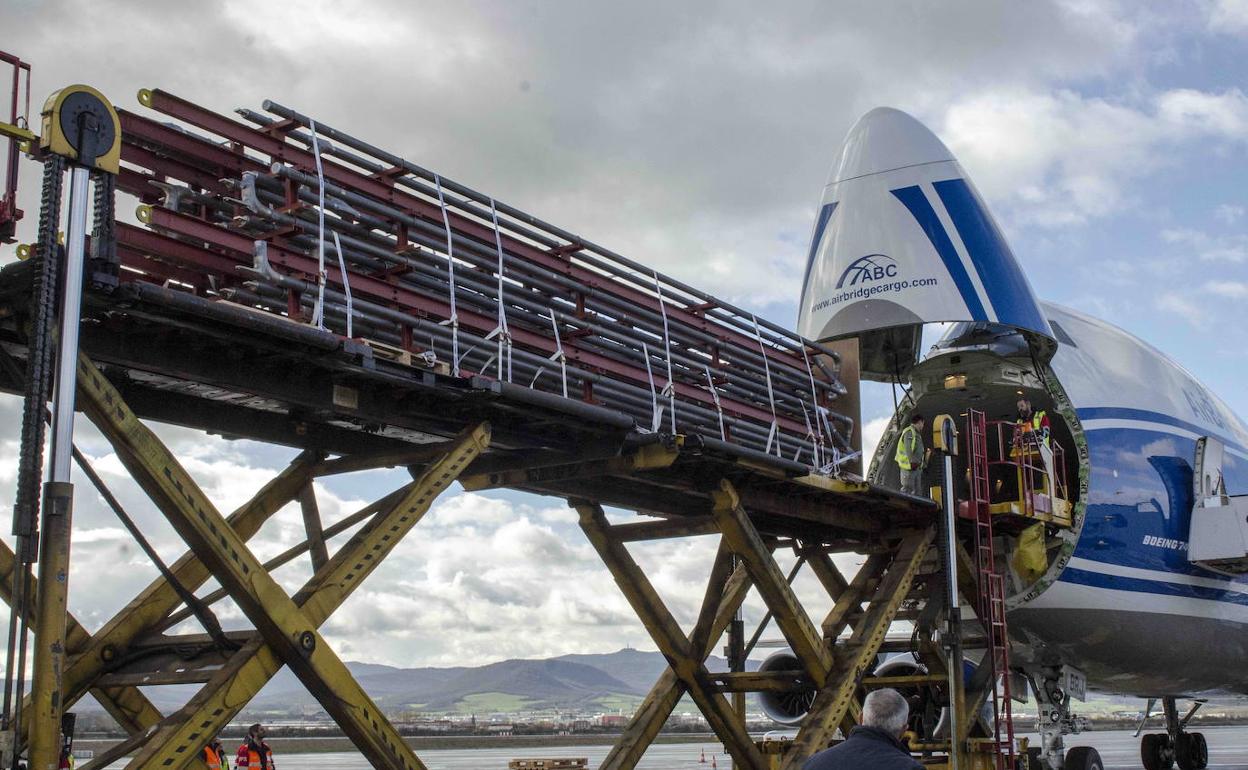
1119	750
1228	748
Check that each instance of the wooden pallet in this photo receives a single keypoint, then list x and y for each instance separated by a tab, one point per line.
404	357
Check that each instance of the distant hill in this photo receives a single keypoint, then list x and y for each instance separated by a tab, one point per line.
610	681
640	669
544	683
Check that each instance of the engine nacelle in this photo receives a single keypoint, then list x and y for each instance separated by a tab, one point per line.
791	707
786	708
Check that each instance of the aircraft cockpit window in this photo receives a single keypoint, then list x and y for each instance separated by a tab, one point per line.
992	338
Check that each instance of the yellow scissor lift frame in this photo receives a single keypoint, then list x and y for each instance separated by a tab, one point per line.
837	655
900	580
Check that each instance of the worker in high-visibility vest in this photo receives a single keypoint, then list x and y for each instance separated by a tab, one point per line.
1035	423
214	755
1032	431
911	455
254	754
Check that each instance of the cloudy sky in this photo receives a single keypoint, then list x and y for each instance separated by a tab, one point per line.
1110	139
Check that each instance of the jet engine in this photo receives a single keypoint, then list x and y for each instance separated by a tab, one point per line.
927	717
790	707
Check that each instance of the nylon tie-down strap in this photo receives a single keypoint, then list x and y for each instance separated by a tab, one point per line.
656	411
773	434
318	312
346	283
558	356
503	333
810	434
815	432
453	321
669	389
719	410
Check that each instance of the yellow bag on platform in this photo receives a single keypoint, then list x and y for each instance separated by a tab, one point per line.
1030	559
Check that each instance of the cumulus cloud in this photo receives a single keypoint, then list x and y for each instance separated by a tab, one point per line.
1186	308
1211	248
1057	158
516	583
1229	16
1229	289
696	142
872	432
1228	214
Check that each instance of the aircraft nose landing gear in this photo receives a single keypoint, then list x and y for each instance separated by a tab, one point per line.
1161	751
1053	689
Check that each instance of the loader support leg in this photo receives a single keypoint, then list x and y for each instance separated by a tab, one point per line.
857	656
289	628
687	664
667	691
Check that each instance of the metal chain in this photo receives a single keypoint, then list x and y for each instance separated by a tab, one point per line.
103	235
39	357
42	312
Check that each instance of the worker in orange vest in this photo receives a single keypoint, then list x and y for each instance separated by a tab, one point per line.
1032	432
214	755
254	754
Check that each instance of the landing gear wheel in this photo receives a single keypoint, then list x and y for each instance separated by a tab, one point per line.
1083	758
1155	752
1191	751
1201	751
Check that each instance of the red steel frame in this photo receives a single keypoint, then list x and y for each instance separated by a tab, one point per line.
198	253
9	212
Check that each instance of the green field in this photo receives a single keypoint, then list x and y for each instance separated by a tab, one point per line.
492	702
626	703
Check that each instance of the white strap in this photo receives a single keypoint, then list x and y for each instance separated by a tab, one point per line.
504	334
558	356
346	283
318	312
773	434
450	278
669	389
810	434
656	412
710	382
821	413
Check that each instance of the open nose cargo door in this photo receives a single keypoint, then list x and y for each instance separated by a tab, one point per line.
902	238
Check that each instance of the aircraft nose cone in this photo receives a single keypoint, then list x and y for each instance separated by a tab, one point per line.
886	139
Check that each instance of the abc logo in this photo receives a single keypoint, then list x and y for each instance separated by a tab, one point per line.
868	269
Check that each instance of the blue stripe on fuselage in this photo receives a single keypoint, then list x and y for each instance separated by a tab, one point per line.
1144	415
821	224
916	202
999	272
1139	507
1084	577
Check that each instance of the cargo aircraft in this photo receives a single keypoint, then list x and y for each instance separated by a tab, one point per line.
1127	572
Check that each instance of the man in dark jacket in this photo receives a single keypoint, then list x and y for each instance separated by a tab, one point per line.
874	744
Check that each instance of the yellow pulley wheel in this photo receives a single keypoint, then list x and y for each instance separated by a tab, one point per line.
80	124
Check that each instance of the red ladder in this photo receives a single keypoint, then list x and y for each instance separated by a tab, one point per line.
991	600
9	212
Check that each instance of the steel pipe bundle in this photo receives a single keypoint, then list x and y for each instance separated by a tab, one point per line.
264	213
